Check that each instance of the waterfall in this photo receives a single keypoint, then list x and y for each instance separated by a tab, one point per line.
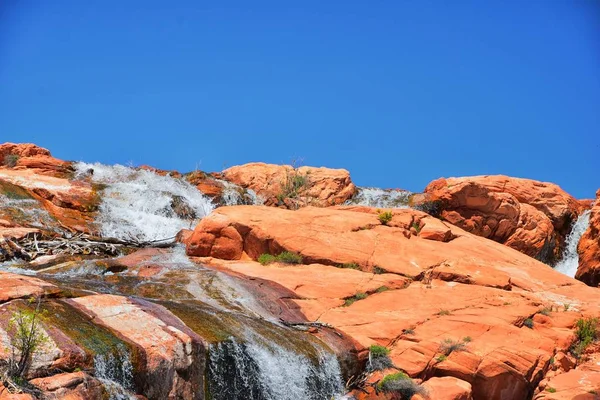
380	198
27	212
142	205
236	195
260	370
115	371
570	260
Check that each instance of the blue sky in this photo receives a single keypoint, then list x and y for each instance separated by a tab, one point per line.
399	93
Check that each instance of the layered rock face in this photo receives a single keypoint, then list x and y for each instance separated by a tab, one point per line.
589	248
530	216
419	283
293	187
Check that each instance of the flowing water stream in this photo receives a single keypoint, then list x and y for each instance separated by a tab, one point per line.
380	198
251	355
570	260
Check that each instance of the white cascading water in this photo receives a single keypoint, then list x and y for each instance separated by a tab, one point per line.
234	195
261	370
380	198
139	204
116	374
570	260
29	212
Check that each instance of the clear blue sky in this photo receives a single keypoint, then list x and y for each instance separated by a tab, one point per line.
399	93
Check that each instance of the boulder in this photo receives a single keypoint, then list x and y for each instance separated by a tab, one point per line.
589	248
300	186
20	150
447	388
530	216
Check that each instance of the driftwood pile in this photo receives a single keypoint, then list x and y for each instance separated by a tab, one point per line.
30	247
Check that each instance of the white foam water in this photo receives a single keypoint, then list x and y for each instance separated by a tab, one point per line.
570	260
116	374
142	205
235	195
256	369
380	198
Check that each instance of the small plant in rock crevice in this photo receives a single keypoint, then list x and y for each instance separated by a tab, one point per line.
27	339
385	217
351	265
293	185
400	385
379	358
448	346
11	160
378	270
546	311
443	312
417	227
528	323
285	257
587	332
358	296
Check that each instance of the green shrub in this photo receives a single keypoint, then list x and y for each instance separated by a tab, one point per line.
381	289
449	345
358	296
10	160
378	358
378	351
416	226
528	323
408	331
587	329
441	357
400	384
566	306
27	336
265	259
546	311
288	257
351	265
385	217
443	312
378	270
586	332
550	390
293	185
467	339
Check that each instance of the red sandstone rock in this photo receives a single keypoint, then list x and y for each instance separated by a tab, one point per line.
530	216
13	286
71	203
589	248
323	186
464	287
21	150
446	388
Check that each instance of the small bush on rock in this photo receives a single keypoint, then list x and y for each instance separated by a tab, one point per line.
379	358
587	333
11	160
351	265
400	386
449	345
286	257
528	323
265	259
385	217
